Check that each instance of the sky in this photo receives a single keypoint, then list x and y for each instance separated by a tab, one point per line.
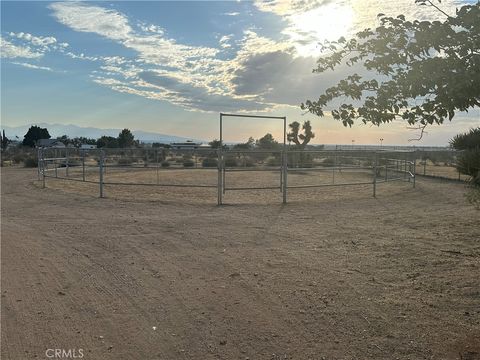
172	67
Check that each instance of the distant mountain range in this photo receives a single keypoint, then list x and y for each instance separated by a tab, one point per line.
91	132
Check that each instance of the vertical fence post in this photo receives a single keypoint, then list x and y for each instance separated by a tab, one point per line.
38	163
220	177
414	168
285	161
334	165
223	176
83	165
101	173
281	172
285	172
156	160
43	167
220	165
375	174
66	162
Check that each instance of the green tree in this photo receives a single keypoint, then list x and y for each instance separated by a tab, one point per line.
468	162
267	142
466	141
425	71
64	139
4	141
126	139
107	141
33	134
215	144
300	140
78	141
245	146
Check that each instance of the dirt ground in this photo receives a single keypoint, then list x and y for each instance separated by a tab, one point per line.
334	274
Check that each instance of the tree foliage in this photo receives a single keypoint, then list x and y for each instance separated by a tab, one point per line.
215	144
107	141
466	141
267	142
126	139
425	71
301	140
33	134
468	162
249	144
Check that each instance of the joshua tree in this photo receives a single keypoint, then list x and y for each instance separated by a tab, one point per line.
300	140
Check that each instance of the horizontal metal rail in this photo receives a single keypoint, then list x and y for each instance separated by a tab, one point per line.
253	116
326	185
162	185
330	168
254	188
240	169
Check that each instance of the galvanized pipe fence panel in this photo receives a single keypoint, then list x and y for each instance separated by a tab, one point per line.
346	168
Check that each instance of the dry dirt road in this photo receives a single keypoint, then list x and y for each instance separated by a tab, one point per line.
395	277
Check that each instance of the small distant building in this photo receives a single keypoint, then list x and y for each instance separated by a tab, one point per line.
50	143
188	145
87	147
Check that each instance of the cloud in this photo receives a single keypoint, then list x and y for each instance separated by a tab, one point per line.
155	86
28	46
202	80
225	41
95	19
35	40
288	7
81	56
11	51
310	22
31	66
261	74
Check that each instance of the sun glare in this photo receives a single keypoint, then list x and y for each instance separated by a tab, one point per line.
328	22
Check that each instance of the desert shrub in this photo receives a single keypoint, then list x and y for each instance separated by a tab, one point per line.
274	161
125	161
473	196
188	163
231	162
209	162
248	162
306	161
165	164
30	162
346	161
18	158
329	161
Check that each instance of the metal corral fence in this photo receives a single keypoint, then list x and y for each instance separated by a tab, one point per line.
439	163
227	170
